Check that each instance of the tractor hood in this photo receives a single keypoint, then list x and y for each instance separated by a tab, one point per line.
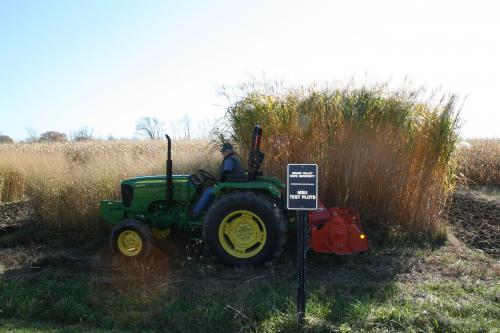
139	192
153	181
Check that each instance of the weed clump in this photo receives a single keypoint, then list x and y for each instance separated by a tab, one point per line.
12	185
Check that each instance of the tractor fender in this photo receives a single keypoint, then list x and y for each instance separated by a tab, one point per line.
255	186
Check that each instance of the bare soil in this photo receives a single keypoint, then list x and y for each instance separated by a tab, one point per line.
474	216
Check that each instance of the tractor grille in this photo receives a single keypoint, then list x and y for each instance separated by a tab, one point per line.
127	195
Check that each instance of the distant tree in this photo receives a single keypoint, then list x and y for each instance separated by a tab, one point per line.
32	135
52	136
173	129
186	125
206	127
149	127
6	139
83	134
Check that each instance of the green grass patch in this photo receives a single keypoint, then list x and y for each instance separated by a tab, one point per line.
261	305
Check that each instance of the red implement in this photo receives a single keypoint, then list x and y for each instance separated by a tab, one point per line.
336	230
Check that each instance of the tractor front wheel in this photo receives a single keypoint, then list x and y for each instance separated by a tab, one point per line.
131	239
245	228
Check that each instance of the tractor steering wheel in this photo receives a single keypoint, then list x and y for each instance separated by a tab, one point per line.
205	175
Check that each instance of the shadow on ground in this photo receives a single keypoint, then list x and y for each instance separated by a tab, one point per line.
178	289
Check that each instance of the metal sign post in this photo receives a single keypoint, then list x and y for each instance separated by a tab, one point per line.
302	195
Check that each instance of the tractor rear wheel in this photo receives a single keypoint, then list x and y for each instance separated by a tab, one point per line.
245	228
131	239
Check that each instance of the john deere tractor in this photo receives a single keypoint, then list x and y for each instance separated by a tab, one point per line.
245	224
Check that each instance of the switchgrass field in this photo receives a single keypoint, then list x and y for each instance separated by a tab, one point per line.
66	181
480	162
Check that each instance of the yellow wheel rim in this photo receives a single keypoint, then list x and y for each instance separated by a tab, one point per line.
129	243
242	234
160	234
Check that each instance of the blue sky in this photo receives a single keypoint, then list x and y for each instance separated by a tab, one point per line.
103	64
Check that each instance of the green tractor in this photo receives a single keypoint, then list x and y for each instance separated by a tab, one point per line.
245	224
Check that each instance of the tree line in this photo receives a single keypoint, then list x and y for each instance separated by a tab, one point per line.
146	127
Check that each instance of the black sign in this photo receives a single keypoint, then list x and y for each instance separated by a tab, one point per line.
302	187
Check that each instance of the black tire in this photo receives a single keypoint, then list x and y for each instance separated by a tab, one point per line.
262	206
140	229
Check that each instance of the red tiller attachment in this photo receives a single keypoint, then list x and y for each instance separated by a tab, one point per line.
336	230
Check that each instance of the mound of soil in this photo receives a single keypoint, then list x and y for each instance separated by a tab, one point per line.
475	216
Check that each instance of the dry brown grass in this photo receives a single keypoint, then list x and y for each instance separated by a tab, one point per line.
480	161
65	182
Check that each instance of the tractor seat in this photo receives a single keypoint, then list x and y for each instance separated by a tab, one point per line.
237	177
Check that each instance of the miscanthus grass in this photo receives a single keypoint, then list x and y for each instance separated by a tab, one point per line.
388	154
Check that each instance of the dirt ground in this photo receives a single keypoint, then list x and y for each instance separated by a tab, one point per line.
474	216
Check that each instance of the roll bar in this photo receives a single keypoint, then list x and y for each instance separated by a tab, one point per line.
256	156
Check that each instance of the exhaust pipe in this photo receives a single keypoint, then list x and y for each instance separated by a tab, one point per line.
169	170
